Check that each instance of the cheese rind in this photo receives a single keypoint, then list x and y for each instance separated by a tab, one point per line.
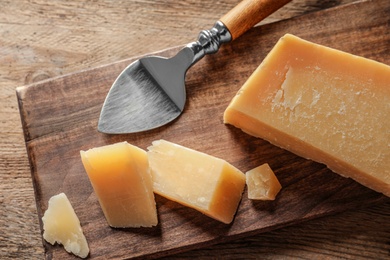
262	183
197	180
120	176
322	104
61	225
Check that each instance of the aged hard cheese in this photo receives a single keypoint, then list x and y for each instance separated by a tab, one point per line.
197	180
322	104
120	176
61	225
262	183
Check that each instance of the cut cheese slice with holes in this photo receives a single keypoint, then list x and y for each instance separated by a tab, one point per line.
120	176
197	180
322	104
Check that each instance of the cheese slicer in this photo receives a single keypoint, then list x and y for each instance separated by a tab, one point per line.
150	92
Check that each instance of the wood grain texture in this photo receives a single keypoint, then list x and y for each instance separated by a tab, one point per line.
44	39
59	118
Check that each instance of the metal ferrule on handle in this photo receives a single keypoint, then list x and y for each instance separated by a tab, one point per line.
209	41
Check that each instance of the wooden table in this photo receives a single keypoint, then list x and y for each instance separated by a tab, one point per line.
44	39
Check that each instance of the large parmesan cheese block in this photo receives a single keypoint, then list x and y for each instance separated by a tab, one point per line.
120	176
322	104
197	180
61	225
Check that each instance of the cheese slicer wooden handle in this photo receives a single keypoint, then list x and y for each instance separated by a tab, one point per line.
248	13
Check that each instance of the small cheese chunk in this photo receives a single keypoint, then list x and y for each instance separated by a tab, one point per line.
120	176
61	225
262	183
322	104
197	180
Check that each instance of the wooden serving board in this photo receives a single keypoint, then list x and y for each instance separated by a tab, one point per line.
60	115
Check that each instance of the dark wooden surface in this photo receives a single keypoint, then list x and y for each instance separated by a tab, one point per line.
59	118
45	39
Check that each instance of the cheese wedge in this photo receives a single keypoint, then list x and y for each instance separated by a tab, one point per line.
322	104
197	180
262	183
120	176
61	225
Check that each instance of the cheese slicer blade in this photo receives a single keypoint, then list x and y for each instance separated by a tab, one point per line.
150	92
